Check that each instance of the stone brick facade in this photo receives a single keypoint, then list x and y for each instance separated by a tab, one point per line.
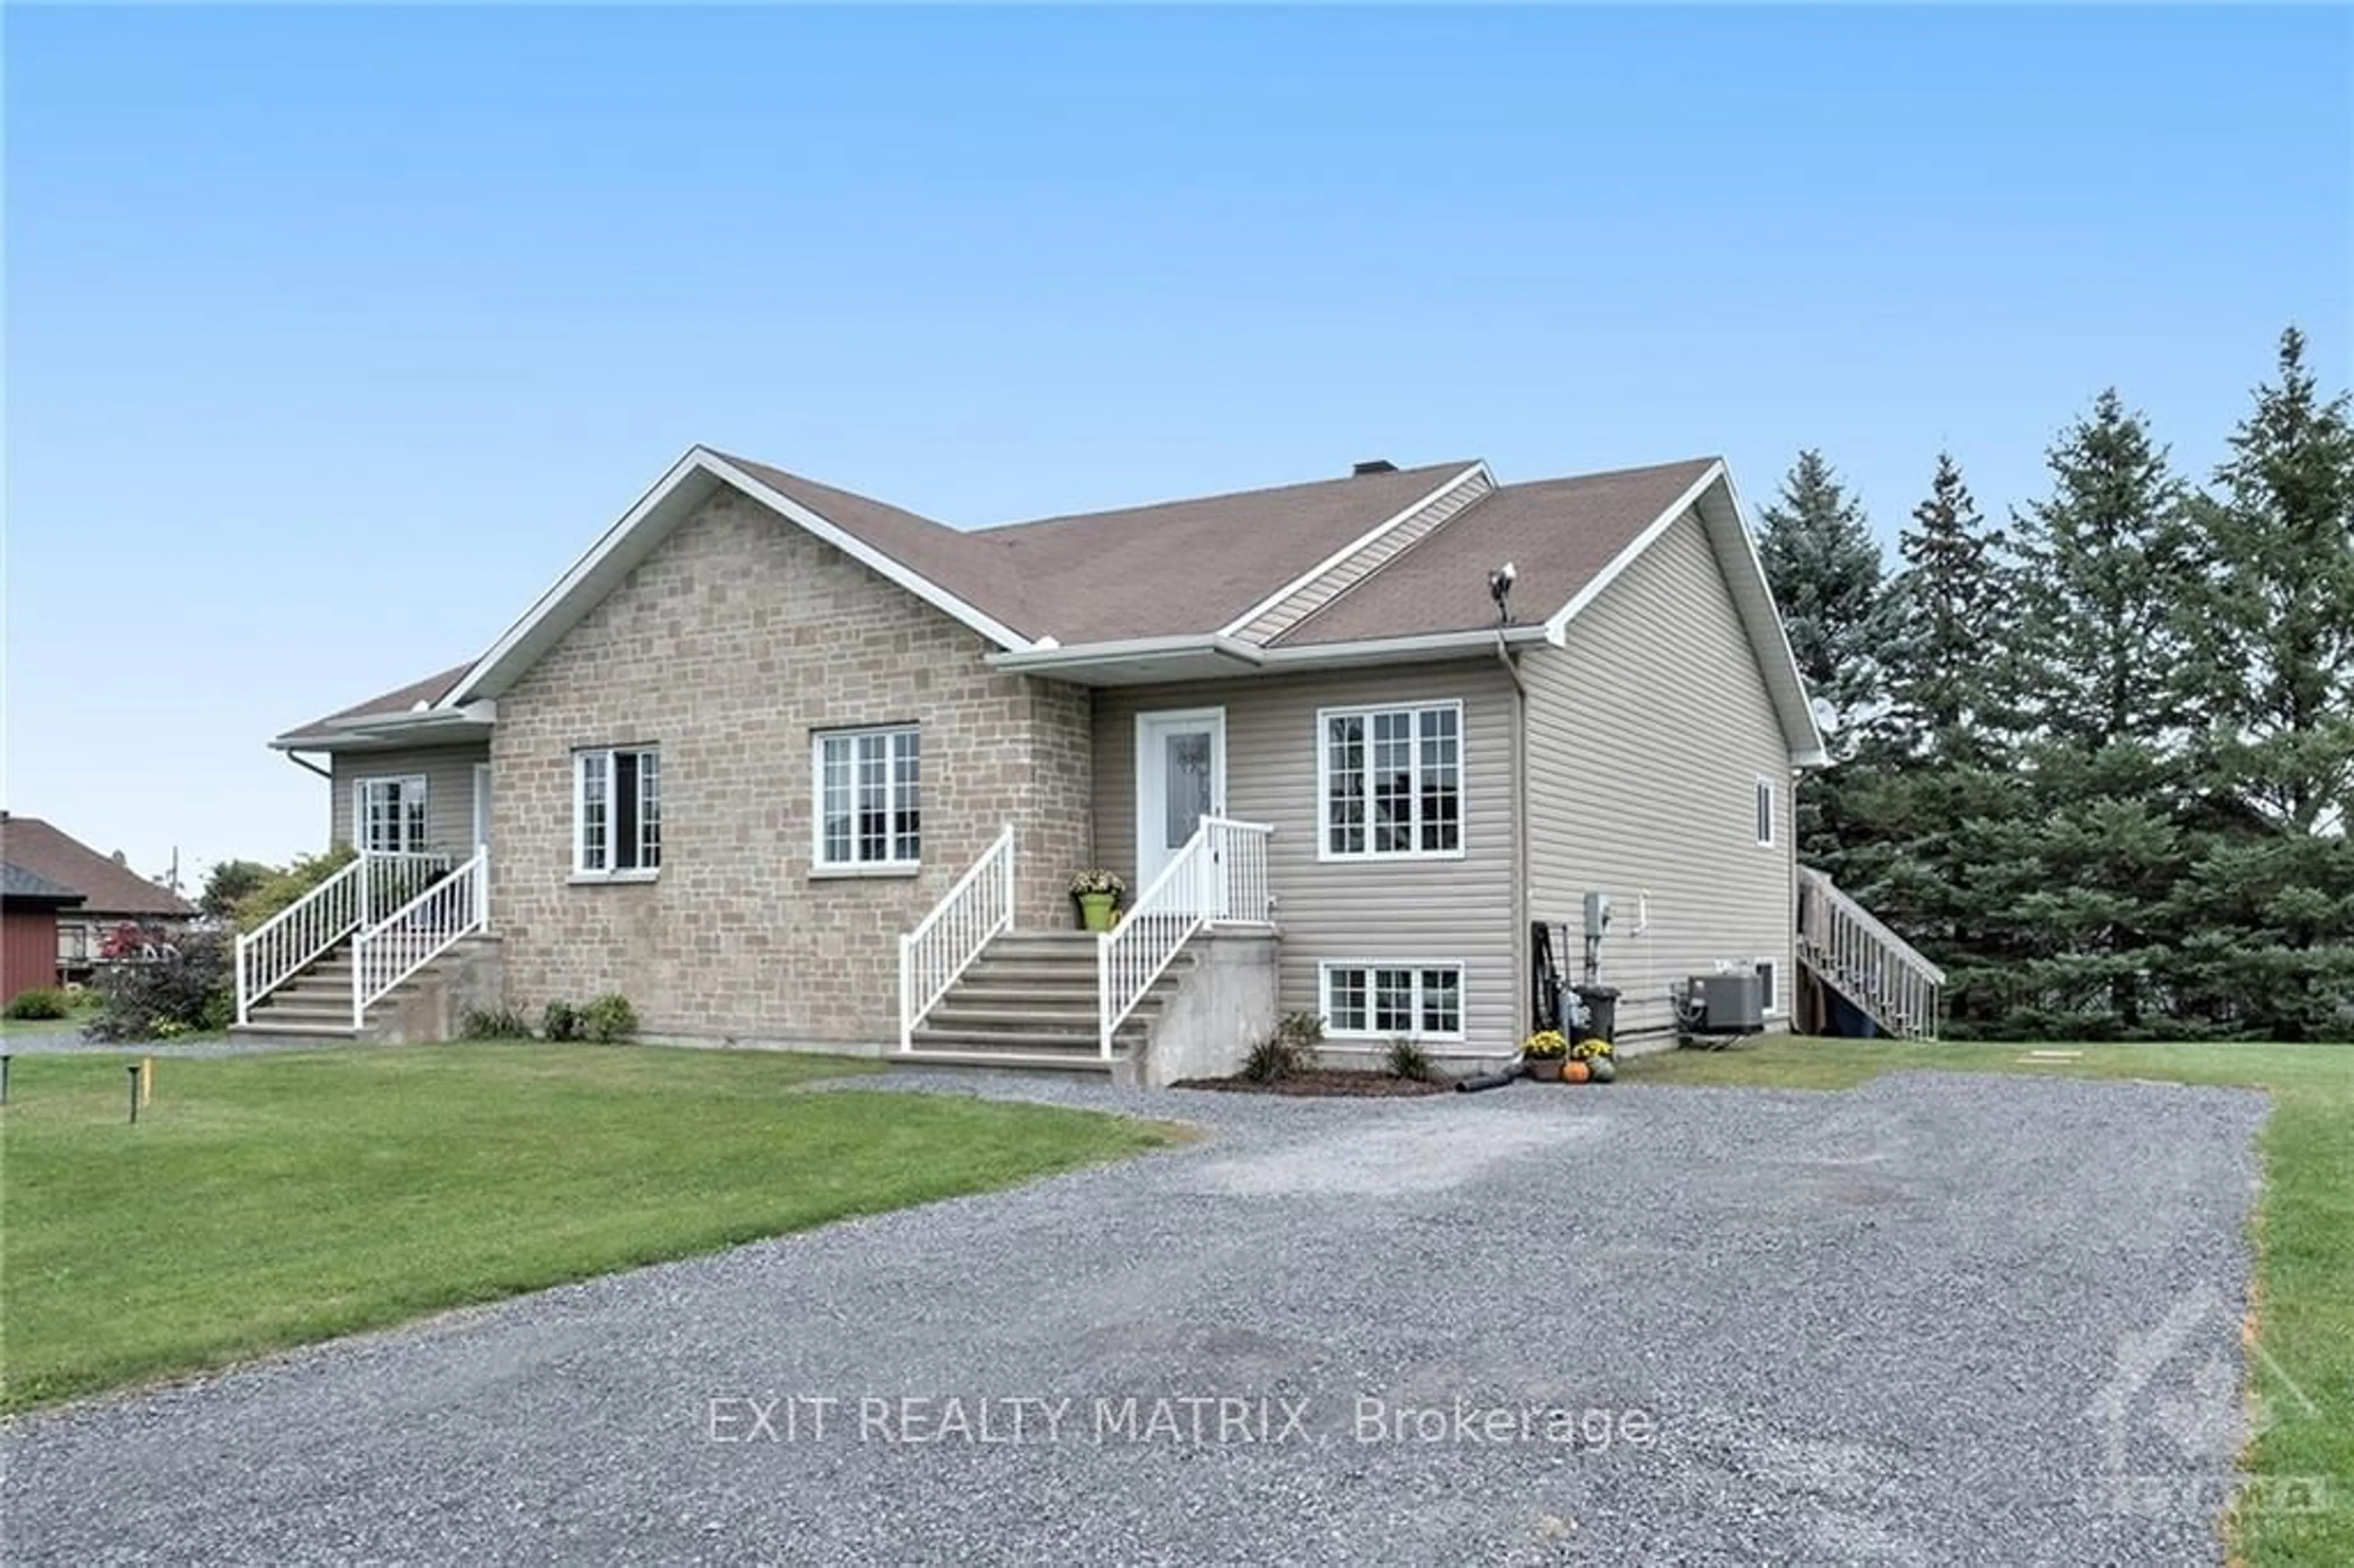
729	647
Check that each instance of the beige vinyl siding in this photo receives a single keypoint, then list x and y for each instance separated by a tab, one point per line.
449	775
1434	910
1647	733
1313	596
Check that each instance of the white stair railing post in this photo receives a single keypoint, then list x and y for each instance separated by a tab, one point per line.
945	943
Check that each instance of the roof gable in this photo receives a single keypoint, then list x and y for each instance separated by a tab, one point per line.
30	845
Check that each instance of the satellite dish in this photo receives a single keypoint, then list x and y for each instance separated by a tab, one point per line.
1827	715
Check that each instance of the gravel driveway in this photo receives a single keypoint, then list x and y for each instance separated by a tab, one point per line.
1934	1319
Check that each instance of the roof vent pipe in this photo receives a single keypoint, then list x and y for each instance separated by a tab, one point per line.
1373	465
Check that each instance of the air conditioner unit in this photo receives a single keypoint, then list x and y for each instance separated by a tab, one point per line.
1724	1004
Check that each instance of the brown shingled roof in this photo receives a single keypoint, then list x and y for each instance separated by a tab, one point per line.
400	700
1559	534
31	844
1163	569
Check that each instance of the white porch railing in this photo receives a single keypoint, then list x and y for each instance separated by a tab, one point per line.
405	941
309	928
1218	878
936	952
1865	961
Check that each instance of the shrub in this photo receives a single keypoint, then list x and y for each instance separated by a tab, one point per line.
42	1001
192	988
1276	1057
1286	1051
609	1018
281	889
496	1023
560	1021
1409	1060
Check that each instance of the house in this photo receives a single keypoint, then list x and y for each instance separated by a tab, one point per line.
120	910
785	764
29	906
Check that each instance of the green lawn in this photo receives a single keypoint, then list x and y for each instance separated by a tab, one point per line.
2304	1233
263	1202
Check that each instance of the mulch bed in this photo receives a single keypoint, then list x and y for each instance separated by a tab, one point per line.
1324	1084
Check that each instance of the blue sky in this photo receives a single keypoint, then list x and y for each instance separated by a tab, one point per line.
334	334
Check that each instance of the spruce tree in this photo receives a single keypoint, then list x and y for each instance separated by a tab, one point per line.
2269	904
2105	562
1949	619
1824	568
1935	815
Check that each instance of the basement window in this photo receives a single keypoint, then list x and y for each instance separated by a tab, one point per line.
1387	1002
617	812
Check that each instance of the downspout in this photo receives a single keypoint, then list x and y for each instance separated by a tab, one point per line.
1521	955
310	766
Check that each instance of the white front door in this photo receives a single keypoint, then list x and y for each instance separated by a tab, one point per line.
482	804
1180	778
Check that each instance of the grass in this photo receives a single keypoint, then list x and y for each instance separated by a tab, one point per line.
266	1201
2303	1238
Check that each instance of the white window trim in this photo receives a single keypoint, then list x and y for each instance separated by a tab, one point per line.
821	867
1769	797
407	781
1769	1003
1321	816
1462	998
583	873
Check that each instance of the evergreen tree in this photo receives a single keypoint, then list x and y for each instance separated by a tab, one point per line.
1934	812
1824	568
1949	620
2105	561
2271	898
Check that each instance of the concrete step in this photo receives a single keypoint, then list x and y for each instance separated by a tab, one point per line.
1036	1062
993	971
990	1044
261	1028
964	1012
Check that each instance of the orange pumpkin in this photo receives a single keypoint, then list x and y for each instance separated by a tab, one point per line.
1575	1071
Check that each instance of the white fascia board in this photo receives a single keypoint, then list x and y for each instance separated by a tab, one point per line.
1398	650
1040	659
1556	626
701	462
1234	628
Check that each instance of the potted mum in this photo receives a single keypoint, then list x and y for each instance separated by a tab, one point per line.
1098	894
1544	1052
1593	1052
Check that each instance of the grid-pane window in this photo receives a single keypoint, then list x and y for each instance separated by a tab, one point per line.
388	815
1393	781
1389	1001
1345	1000
617	810
870	798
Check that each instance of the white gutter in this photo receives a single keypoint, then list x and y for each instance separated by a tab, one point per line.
1367	650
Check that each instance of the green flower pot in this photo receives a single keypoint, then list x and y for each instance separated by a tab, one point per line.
1095	910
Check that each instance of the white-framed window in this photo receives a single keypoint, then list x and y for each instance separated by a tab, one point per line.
869	799
1384	999
388	815
616	812
1389	781
1769	987
1764	812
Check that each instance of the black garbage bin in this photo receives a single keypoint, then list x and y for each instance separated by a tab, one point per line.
1601	1010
